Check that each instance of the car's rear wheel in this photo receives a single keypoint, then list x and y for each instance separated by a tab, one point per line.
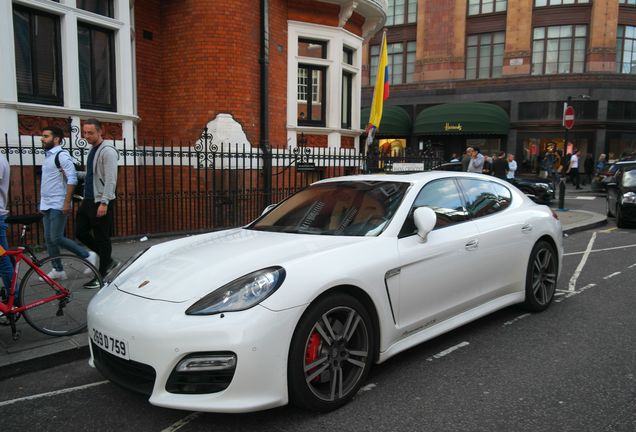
541	277
620	219
331	353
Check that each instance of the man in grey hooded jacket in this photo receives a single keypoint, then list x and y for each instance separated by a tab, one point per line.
95	216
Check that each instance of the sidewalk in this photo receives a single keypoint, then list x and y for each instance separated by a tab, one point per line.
34	351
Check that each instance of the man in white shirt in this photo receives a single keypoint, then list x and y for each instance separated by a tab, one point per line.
512	167
6	268
476	164
573	169
56	192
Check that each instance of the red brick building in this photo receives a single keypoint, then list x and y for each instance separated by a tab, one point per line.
523	59
162	70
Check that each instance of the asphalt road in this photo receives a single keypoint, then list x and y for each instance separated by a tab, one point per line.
570	368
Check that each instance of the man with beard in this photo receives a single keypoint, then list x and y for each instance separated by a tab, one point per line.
95	216
56	191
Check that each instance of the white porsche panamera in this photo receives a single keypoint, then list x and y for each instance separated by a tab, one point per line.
298	305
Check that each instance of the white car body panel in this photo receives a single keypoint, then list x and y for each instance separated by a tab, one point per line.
418	288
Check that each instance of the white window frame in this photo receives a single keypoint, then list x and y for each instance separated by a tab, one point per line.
336	38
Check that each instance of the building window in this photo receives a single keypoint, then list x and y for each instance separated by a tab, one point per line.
312	48
311	95
401	12
534	110
541	3
626	50
345	109
627	2
398	54
478	7
37	56
559	49
347	56
96	68
621	110
101	7
484	55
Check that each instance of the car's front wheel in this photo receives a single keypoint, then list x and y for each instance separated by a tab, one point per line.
331	353
541	277
620	219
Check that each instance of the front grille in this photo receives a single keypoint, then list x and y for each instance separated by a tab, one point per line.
131	375
200	382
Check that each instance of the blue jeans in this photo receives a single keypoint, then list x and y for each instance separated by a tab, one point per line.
54	224
6	268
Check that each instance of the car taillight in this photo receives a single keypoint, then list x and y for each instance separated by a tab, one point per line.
554	214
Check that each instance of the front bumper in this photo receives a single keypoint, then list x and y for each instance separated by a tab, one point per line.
159	335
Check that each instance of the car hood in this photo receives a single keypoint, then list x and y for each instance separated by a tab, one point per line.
190	268
534	180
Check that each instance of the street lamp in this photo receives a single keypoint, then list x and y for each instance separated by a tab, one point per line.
566	129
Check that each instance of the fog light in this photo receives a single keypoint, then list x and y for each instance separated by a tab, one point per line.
207	363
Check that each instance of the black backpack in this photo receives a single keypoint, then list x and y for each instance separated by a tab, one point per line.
78	193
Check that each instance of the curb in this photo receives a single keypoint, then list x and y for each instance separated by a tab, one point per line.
44	362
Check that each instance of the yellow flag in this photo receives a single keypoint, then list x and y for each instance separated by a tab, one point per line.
381	91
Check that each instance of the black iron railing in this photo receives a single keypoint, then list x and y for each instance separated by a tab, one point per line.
166	187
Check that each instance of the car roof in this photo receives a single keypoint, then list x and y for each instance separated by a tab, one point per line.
627	162
406	177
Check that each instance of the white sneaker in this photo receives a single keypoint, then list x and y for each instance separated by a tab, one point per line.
54	274
91	258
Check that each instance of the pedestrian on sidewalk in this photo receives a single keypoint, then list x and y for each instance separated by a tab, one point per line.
56	192
512	167
6	267
573	169
95	216
500	166
476	162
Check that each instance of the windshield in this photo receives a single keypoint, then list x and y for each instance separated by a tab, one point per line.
348	208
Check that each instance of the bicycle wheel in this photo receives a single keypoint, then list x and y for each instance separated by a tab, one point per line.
66	315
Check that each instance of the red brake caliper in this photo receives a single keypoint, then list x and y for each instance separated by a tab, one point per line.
313	348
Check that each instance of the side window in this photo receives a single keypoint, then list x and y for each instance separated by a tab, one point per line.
443	197
484	197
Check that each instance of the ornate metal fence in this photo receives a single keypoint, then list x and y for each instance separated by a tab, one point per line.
165	187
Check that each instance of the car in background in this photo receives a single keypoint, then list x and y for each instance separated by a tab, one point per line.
601	179
538	189
621	194
298	305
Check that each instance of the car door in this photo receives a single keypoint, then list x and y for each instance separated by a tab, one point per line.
435	274
505	237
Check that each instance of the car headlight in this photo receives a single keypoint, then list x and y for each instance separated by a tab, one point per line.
544	186
240	294
110	277
629	198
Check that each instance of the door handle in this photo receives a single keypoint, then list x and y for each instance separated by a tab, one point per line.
472	245
526	228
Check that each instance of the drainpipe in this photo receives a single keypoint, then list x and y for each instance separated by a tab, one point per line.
264	138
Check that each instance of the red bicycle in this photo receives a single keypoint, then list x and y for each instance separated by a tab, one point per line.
56	307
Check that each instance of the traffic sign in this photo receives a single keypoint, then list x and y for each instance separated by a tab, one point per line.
568	117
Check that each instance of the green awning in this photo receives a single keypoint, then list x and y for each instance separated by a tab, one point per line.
395	121
469	118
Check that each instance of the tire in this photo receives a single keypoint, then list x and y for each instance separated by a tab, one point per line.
341	363
541	277
620	219
66	315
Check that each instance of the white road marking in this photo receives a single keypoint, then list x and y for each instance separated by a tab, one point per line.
366	388
52	393
579	268
181	423
448	351
612	275
586	198
609	230
573	293
632	266
600	250
520	317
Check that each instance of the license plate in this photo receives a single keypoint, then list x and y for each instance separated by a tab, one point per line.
110	343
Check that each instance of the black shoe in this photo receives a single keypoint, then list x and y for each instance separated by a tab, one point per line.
93	284
112	266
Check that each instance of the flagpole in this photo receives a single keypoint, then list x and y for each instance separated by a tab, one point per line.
380	94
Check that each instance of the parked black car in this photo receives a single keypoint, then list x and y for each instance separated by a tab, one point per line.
540	190
621	194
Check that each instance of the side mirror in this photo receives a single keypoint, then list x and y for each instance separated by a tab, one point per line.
425	219
268	208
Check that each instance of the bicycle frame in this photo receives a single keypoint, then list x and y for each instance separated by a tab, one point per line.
9	307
